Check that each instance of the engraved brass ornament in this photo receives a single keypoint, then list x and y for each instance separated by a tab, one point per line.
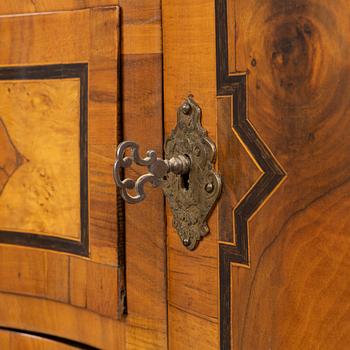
191	198
186	176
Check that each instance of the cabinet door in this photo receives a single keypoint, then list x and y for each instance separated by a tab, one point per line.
58	205
271	78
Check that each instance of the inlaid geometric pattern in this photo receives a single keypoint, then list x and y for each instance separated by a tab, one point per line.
43	161
41	119
235	249
10	158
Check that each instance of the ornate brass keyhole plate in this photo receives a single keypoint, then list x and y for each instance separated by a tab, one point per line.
191	196
187	174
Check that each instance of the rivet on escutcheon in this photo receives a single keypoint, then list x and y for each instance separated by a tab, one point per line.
186	242
209	187
186	108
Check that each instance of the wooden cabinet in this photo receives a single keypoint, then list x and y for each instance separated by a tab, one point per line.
58	220
62	225
79	268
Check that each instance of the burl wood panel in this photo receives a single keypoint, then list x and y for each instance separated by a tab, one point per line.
40	121
189	68
296	294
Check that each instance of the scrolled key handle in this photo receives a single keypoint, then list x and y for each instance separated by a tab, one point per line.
157	169
187	175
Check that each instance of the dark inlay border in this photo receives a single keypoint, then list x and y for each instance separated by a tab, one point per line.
59	71
273	174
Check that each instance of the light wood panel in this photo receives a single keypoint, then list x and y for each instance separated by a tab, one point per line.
43	195
189	68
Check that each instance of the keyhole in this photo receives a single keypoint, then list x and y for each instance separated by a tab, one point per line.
185	181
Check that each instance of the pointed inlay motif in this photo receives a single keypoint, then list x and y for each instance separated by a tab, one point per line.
233	247
10	158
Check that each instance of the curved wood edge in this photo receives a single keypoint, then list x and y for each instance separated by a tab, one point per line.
17	340
27	313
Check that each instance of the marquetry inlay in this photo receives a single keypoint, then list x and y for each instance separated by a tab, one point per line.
43	163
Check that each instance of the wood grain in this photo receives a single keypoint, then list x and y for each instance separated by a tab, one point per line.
20	341
93	285
11	159
145	225
146	326
35	6
43	196
102	135
295	292
181	320
239	174
69	45
141	27
89	36
142	39
44	193
26	272
62	320
189	68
